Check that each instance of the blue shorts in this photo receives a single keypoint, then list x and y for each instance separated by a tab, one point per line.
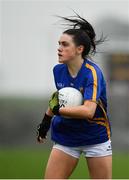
97	150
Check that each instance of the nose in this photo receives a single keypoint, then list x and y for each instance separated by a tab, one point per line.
60	49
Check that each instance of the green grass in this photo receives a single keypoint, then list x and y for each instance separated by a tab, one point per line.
30	164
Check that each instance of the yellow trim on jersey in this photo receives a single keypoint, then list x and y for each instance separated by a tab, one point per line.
105	124
94	96
99	119
94	80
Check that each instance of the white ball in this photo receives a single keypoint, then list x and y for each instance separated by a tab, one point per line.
69	97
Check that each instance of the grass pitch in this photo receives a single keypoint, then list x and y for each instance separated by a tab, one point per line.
30	164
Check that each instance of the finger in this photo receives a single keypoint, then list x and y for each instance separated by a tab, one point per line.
53	95
40	140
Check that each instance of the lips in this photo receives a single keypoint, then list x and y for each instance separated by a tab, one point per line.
60	55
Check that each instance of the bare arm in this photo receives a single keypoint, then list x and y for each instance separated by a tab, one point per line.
87	110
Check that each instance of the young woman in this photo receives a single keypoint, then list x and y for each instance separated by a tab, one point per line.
87	131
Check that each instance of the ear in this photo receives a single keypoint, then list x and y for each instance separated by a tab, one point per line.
80	49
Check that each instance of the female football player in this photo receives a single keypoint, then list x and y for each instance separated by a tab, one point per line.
87	131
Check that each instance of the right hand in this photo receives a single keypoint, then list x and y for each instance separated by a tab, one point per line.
43	128
41	133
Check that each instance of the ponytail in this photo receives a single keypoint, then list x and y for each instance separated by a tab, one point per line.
83	34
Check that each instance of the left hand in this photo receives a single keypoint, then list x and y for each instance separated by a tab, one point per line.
54	103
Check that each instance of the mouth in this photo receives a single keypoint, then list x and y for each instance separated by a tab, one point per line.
60	55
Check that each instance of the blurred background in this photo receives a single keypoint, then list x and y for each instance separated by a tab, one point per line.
29	33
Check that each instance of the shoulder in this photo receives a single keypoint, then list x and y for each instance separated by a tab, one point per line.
93	68
59	67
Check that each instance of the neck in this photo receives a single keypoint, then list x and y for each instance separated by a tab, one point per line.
74	66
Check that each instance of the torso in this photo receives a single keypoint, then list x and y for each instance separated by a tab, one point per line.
80	132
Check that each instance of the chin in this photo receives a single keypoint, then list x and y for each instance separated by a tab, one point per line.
62	61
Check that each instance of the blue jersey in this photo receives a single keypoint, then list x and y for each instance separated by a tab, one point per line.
79	132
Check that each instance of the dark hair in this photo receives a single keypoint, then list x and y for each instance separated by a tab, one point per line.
83	34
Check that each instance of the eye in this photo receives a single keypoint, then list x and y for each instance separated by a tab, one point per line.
65	44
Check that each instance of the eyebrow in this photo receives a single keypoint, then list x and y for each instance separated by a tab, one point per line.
62	42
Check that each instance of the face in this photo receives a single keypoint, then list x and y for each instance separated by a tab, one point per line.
67	50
